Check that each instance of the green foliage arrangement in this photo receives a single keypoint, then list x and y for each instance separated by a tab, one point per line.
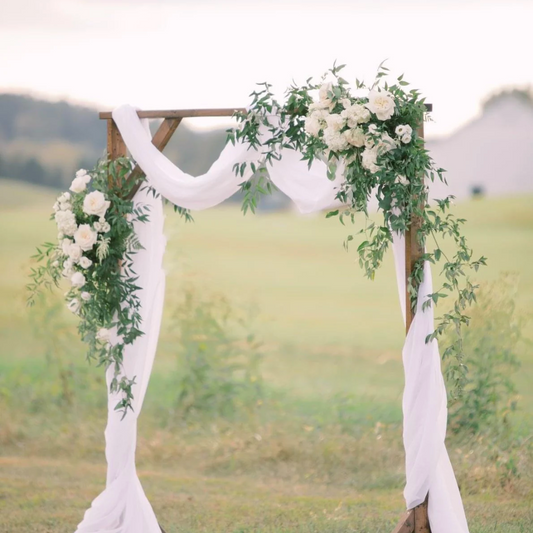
94	252
371	136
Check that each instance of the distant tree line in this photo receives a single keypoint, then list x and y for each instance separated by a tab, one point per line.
30	170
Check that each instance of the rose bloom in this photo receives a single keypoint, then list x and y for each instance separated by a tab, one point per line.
85	296
403	129
77	279
335	121
381	104
406	138
95	204
78	185
104	335
356	137
85	237
74	252
312	126
85	262
82	173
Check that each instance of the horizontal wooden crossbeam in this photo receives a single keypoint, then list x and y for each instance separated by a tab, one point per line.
181	113
191	113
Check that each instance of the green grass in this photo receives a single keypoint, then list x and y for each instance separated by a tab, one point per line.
323	452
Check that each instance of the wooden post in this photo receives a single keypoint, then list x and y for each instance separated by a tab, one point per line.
414	520
115	144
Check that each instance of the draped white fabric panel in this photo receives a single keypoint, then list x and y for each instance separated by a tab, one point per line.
123	507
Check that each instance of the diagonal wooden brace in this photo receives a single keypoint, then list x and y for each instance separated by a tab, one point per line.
159	140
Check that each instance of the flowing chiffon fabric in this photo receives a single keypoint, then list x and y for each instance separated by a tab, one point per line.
123	507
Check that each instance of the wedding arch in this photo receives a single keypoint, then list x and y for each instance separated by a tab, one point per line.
311	150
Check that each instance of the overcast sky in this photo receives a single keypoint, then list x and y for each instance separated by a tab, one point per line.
172	54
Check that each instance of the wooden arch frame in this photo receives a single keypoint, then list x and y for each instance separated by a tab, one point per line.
413	520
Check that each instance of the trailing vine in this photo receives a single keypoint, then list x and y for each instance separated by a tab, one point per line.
370	138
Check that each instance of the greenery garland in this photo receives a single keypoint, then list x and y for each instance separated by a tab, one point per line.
373	135
94	252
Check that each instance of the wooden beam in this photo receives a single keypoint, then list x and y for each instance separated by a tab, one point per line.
190	113
181	113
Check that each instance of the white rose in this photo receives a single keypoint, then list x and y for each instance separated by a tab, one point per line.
346	103
401	180
403	129
77	279
95	204
355	136
85	237
369	159
85	296
312	126
105	227
103	334
381	104
74	252
406	139
74	305
66	222
82	173
65	197
56	207
335	140
65	206
78	184
323	92
97	227
335	121
85	262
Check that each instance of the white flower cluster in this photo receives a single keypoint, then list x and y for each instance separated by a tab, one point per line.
75	239
350	128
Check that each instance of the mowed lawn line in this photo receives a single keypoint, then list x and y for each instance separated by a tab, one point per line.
45	495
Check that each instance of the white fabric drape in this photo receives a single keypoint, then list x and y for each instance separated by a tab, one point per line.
123	507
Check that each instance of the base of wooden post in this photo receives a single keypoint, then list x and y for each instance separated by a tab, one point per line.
414	520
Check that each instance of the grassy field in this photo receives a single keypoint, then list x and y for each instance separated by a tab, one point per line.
323	451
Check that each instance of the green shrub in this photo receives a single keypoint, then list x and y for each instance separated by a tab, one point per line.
218	358
491	344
